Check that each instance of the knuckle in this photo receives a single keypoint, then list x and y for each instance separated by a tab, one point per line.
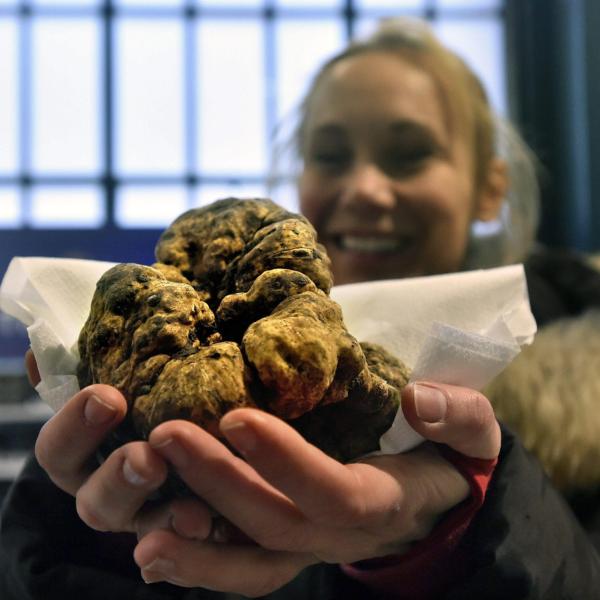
42	451
92	518
352	509
45	454
347	515
297	536
351	512
277	539
142	524
479	413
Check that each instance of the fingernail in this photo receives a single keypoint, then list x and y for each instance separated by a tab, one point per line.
240	435
160	565
158	570
132	476
431	403
173	451
97	412
150	577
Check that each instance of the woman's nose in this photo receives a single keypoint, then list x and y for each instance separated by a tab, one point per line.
367	186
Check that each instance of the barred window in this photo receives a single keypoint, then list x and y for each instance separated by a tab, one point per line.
117	115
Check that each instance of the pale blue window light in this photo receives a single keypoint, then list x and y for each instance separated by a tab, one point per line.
286	195
66	206
309	3
231	119
66	3
218	159
480	42
365	26
9	99
208	193
397	5
301	46
65	96
470	4
149	116
231	3
151	3
10	208
152	206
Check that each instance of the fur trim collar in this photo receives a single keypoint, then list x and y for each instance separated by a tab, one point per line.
550	396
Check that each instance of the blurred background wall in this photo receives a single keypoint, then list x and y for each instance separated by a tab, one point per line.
116	116
553	79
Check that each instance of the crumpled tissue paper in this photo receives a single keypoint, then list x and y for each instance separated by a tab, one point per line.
459	328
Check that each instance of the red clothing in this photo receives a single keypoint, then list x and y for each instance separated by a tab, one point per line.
433	563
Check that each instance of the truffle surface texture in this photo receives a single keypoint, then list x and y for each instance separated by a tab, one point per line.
237	313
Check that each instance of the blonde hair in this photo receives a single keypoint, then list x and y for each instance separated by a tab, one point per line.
468	110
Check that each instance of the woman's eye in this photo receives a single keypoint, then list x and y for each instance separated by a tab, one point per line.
408	160
331	160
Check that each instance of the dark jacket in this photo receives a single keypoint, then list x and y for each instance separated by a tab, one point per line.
525	542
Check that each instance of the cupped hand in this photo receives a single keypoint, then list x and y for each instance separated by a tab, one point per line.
114	495
298	505
110	496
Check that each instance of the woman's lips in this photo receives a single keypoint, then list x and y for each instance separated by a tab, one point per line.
373	244
368	257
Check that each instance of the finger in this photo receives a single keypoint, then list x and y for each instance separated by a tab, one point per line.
325	490
352	511
68	441
248	570
33	373
188	517
151	518
112	496
228	484
459	417
191	518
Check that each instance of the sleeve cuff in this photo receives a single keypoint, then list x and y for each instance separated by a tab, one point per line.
433	563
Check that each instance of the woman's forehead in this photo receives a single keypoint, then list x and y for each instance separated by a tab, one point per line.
376	87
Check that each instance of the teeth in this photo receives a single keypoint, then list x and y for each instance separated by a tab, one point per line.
369	244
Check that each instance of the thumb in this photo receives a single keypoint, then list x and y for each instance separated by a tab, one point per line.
459	417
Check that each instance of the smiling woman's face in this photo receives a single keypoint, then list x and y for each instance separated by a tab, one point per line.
390	191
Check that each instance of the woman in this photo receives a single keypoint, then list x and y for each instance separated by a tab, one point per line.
403	161
398	164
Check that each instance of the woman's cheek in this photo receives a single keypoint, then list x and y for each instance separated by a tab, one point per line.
447	248
445	225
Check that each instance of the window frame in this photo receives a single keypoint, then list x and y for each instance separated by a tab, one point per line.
110	241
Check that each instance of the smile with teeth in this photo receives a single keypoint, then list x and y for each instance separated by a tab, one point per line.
372	243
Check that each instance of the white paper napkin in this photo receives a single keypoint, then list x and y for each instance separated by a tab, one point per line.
461	328
458	328
52	298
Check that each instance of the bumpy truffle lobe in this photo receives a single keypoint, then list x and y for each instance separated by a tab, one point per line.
289	244
350	429
237	311
201	388
303	353
136	319
385	365
223	247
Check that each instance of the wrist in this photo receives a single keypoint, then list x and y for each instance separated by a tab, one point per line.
432	563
